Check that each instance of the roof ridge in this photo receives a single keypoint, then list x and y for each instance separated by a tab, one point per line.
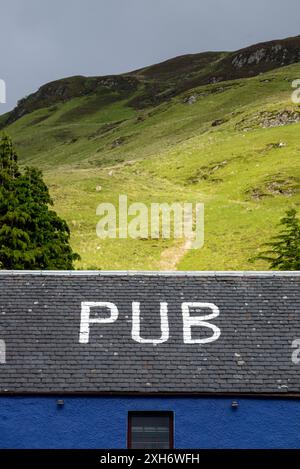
151	273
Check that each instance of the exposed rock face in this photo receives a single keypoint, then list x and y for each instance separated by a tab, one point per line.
217	122
279	119
278	54
270	146
241	60
118	142
268	119
207	172
274	187
191	99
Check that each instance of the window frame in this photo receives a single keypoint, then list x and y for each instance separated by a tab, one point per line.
155	413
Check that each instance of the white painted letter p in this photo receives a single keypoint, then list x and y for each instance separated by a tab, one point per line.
85	322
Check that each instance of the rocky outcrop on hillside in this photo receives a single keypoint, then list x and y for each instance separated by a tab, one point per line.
280	118
278	53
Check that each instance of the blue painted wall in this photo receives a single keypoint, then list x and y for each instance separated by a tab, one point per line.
101	422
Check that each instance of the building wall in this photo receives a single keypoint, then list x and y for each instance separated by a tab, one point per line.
101	422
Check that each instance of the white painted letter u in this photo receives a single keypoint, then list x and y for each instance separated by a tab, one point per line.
136	325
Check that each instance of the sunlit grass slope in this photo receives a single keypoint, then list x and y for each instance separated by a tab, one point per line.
231	149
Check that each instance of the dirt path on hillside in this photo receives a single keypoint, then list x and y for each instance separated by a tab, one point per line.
120	165
171	257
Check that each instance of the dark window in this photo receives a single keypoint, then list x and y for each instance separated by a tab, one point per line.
150	430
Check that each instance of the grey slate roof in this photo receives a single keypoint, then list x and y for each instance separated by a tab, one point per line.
40	322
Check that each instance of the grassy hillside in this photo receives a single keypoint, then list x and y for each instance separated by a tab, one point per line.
233	145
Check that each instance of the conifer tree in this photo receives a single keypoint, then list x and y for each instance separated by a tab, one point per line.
283	251
32	236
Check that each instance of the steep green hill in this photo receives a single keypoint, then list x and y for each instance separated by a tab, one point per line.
172	132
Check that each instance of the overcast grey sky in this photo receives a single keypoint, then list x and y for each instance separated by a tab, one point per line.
43	40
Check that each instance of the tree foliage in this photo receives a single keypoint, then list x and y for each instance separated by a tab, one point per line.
32	236
283	251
